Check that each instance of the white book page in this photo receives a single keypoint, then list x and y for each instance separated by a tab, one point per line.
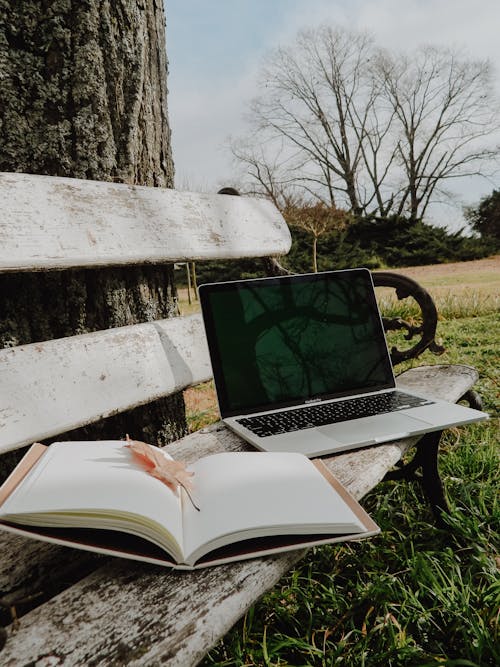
246	494
95	477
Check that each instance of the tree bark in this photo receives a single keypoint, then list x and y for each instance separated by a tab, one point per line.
84	94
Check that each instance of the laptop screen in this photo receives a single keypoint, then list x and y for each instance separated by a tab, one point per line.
283	341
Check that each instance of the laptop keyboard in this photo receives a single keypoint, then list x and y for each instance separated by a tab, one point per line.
322	414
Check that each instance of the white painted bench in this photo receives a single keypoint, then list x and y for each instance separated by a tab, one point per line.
62	606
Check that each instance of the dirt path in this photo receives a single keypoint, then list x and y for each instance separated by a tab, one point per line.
489	265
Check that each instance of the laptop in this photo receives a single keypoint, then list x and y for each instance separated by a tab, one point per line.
301	364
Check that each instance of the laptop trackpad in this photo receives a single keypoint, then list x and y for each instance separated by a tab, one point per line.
371	429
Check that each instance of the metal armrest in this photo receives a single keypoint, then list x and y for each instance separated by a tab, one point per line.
407	287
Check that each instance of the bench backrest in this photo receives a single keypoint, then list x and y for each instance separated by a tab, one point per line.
51	223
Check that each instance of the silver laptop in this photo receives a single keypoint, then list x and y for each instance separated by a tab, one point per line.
301	364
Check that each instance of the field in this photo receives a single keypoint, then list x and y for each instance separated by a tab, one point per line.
461	288
481	273
415	595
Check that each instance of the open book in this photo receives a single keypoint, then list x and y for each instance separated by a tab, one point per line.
96	496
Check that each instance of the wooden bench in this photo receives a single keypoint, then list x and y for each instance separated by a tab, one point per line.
63	606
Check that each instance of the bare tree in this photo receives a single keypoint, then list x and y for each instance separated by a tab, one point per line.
355	127
315	102
444	117
265	173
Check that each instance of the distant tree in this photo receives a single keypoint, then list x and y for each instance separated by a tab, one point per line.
367	130
317	220
444	116
485	218
311	117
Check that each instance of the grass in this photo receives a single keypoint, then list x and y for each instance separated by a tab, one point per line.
415	595
201	407
450	305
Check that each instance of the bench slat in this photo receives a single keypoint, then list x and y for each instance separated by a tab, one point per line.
51	387
56	223
106	616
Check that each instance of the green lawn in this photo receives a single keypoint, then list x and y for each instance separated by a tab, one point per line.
415	595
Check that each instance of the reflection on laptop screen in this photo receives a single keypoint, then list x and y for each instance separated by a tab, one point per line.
283	341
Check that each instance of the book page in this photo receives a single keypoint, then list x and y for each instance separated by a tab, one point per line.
247	494
98	483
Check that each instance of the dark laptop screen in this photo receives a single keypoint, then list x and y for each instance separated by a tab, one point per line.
284	341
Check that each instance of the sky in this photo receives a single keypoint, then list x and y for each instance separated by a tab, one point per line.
215	50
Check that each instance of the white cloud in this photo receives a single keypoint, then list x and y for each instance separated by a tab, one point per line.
459	23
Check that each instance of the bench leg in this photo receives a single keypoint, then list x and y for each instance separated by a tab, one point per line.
473	399
428	450
426	459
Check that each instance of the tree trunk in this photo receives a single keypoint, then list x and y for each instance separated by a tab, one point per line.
84	95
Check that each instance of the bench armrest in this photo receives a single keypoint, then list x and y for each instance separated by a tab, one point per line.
407	287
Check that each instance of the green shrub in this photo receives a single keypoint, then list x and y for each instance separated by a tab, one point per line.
370	242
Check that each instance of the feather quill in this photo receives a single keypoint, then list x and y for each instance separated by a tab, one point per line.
172	473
